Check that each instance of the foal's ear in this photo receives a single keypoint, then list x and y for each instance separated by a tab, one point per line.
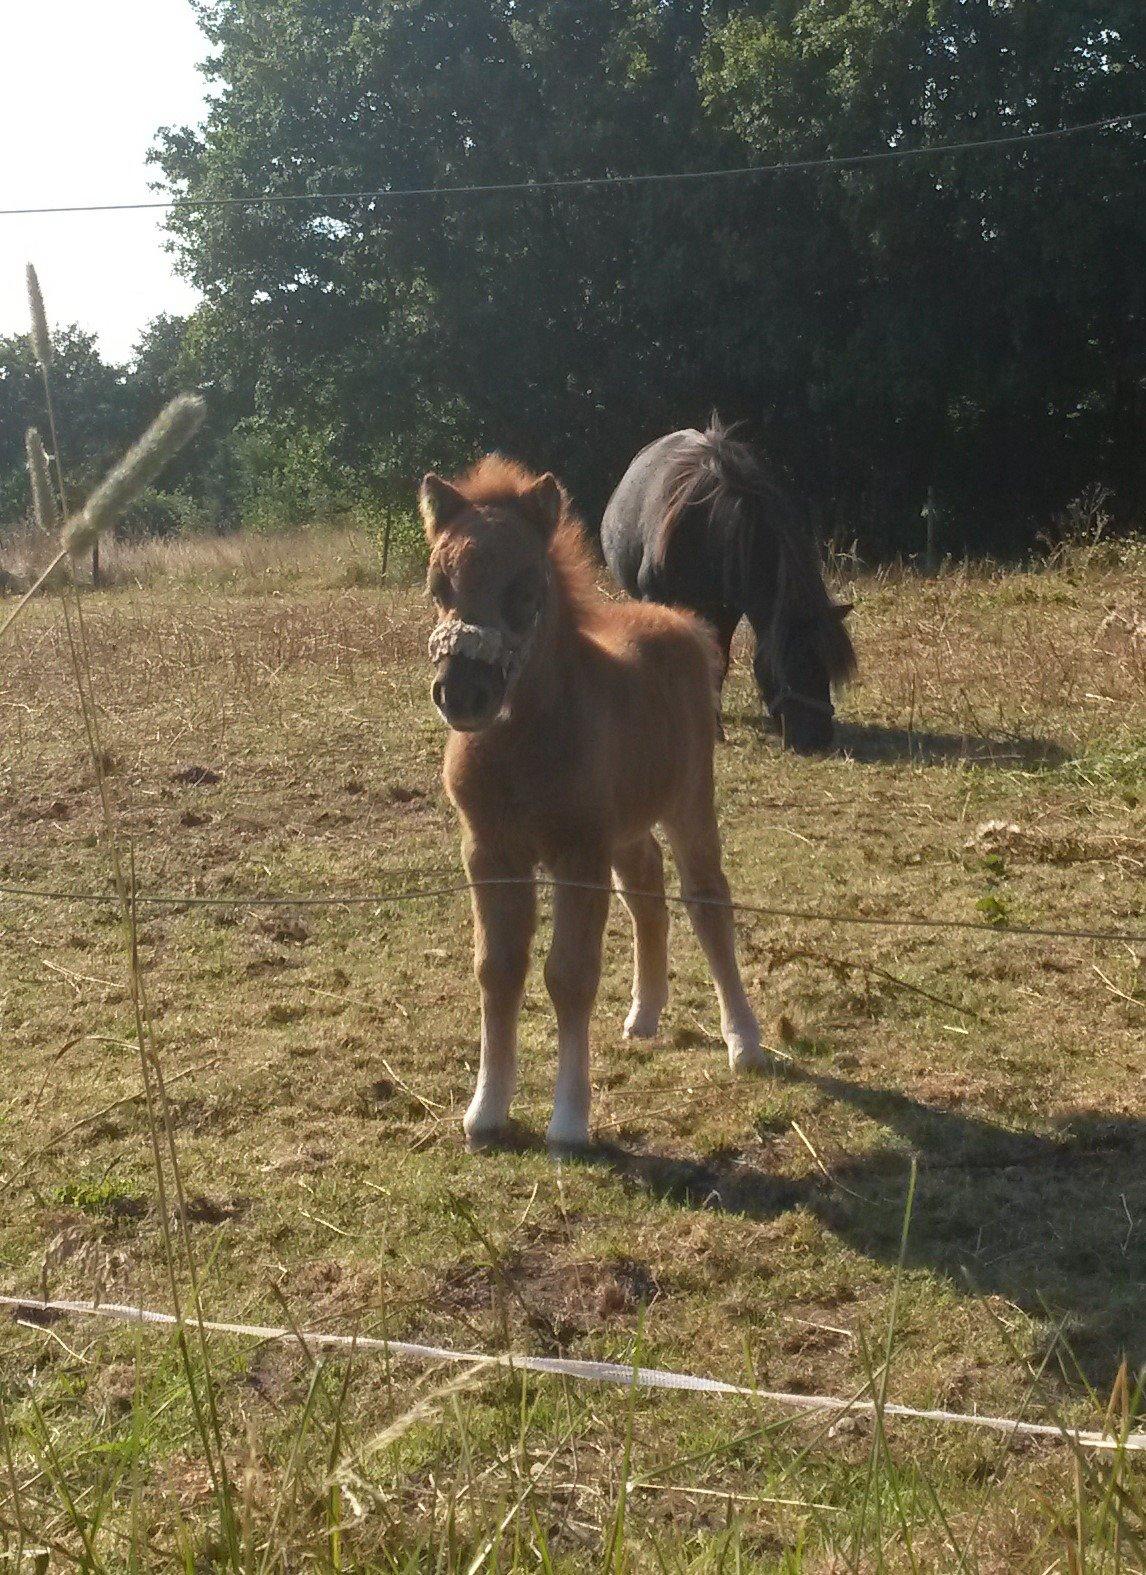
841	609
438	502
544	501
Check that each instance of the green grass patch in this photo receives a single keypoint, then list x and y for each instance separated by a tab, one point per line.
317	1062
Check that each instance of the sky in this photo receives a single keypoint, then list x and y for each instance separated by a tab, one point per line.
116	70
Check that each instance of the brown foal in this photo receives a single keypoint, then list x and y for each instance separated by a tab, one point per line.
576	725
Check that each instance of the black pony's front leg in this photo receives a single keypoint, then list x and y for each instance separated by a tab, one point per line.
725	622
762	668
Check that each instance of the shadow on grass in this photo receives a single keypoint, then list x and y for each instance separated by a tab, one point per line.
873	745
1055	1224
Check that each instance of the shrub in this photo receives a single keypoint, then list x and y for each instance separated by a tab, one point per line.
160	513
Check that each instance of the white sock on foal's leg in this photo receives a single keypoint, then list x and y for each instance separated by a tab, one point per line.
569	1124
487	1114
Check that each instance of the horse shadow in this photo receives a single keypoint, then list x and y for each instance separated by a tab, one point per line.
871	744
1055	1224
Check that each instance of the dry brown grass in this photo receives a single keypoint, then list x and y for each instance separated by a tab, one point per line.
332	556
996	770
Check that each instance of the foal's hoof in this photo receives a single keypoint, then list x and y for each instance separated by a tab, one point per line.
481	1140
567	1137
643	1022
485	1127
747	1055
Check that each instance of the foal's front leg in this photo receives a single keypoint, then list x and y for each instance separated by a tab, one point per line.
504	918
572	974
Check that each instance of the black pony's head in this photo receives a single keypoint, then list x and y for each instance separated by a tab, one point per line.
773	572
731	531
807	655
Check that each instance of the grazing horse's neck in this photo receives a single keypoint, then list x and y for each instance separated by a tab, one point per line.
734	544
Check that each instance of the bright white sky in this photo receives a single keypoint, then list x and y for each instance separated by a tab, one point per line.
87	83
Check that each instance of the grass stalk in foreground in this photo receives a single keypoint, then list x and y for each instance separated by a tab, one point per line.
172	429
42	346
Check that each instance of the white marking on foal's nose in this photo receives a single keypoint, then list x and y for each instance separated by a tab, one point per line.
479	641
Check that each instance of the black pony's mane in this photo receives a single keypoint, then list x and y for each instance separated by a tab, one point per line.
727	478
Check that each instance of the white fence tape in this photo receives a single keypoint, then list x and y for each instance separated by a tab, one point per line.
595	1372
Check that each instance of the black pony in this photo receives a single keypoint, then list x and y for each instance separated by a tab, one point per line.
697	522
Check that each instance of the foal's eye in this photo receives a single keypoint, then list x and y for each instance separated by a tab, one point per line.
519	602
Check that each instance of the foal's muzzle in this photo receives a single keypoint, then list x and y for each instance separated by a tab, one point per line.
468	693
477	666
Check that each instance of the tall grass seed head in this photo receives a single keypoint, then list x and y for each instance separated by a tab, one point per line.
174	427
44	505
41	338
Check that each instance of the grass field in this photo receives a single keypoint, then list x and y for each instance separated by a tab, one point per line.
274	734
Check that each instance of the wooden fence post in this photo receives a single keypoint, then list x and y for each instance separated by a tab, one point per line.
930	551
386	540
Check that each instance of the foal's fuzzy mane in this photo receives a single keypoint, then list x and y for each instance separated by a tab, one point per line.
498	482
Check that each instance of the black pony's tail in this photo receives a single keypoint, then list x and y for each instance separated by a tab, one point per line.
728	479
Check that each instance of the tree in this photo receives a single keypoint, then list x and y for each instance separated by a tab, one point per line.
973	323
95	411
421	329
993	339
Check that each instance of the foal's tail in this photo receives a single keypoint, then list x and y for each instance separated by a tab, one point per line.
748	511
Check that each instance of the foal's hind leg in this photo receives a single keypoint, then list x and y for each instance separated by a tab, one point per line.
639	876
572	973
696	847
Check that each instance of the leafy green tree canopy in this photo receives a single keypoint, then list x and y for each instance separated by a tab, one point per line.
95	407
971	322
